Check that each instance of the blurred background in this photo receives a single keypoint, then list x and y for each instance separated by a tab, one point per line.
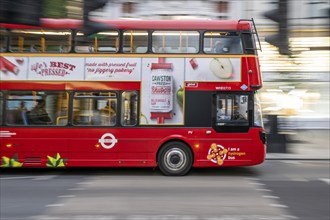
294	59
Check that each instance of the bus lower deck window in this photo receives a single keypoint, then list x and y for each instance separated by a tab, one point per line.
94	109
129	102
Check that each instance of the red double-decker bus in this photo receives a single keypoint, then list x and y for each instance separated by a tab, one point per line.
172	94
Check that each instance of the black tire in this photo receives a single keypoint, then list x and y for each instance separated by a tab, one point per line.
175	159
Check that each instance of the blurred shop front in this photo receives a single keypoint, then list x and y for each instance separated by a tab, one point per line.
295	94
296	87
293	108
299	104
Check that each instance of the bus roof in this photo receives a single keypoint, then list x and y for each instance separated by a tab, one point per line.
144	24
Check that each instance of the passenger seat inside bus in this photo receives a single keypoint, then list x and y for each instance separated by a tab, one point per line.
11	117
62	120
141	49
16	117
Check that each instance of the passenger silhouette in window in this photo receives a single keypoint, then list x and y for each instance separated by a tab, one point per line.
222	46
38	115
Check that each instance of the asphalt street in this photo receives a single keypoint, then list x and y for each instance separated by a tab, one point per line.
275	190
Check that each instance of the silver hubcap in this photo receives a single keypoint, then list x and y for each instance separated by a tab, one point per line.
175	159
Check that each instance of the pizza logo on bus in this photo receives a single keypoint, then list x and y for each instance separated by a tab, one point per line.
217	154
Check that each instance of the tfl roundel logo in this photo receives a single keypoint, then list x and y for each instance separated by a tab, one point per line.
108	141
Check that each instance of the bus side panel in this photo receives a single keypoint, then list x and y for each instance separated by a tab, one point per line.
230	149
74	147
86	151
92	147
33	147
132	147
109	147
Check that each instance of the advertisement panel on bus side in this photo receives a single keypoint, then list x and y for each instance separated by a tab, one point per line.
224	69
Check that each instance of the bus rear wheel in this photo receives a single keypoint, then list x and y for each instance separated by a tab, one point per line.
175	159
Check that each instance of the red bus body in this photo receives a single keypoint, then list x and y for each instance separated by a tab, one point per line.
137	146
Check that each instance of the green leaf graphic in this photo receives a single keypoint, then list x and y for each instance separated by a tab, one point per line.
56	161
10	162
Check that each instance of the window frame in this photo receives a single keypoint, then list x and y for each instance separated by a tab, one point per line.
132	48
232	125
155	49
99	113
28	96
229	37
39	40
92	44
122	108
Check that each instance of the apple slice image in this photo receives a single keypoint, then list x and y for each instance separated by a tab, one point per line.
221	67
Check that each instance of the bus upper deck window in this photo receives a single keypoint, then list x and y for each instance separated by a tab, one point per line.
40	40
135	41
249	43
175	42
101	42
58	41
222	43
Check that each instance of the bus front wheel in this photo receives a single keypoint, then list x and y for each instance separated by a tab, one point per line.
175	159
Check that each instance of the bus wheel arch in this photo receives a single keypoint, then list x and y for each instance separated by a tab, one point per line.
175	158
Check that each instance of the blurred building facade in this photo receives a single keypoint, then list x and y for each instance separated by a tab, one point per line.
296	86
